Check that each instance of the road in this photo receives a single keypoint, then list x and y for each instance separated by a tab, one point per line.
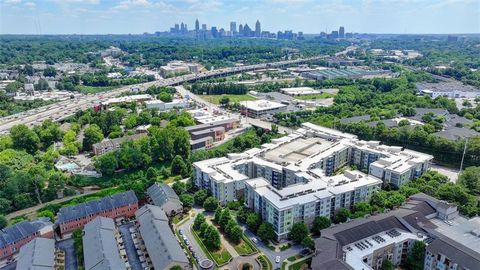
61	110
33	209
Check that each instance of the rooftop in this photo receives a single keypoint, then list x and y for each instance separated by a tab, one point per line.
162	193
68	213
261	105
16	232
100	245
446	87
38	254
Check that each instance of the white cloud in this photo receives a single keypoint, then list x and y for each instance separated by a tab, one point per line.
12	2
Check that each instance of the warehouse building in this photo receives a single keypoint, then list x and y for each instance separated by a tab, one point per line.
260	108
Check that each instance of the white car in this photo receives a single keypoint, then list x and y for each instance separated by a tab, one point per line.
277	259
254	240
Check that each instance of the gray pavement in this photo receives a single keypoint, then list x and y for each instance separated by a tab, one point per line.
70	256
130	249
185	227
10	266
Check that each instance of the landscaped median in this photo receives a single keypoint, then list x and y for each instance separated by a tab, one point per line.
264	262
221	257
245	247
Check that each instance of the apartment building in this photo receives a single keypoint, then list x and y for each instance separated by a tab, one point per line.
40	253
100	245
366	243
12	238
163	196
302	202
121	205
109	145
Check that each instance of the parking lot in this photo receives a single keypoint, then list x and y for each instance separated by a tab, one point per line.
70	257
129	245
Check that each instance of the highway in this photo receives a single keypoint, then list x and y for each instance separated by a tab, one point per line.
61	110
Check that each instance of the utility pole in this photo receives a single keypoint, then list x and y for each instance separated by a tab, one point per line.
463	155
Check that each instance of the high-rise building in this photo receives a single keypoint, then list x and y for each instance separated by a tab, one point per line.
214	31
204	27
341	32
240	30
258	29
233	27
197	25
247	31
177	28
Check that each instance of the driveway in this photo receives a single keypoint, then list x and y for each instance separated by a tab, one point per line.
130	249
70	256
185	227
271	254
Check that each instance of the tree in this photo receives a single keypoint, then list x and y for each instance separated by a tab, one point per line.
47	213
92	134
298	232
24	138
320	223
235	234
218	215
179	187
470	179
107	163
179	167
199	220
403	122
210	204
224	101
3	222
165	97
49	72
200	196
212	238
416	256
253	221
308	243
224	219
41	85
176	267
274	129
187	200
266	232
342	215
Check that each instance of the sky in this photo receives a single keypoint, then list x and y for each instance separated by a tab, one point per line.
309	16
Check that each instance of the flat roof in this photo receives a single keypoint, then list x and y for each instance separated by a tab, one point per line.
262	105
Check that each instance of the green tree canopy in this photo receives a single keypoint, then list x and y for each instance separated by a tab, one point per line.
298	232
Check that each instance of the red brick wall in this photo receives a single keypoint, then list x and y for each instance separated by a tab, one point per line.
14	248
114	213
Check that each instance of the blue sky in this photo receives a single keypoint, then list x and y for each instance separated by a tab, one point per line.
309	16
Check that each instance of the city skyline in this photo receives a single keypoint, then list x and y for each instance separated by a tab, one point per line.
308	16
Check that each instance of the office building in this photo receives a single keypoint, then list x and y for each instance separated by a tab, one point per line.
100	246
175	68
203	136
294	175
233	28
366	243
121	205
197	26
260	108
204	27
163	196
40	254
166	106
162	247
341	32
258	29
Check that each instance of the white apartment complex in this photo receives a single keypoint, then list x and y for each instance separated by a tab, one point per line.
292	178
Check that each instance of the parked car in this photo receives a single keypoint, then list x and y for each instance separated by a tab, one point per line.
180	232
254	240
277	259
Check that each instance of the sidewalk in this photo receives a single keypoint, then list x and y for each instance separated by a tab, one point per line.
289	263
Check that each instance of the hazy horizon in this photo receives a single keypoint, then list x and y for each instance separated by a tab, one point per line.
97	17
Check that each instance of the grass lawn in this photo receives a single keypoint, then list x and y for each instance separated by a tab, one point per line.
245	247
285	247
221	256
315	96
265	262
94	89
233	98
294	257
298	265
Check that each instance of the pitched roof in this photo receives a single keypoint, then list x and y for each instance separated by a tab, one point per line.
162	193
100	246
69	213
355	119
456	133
160	242
463	256
38	254
13	233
